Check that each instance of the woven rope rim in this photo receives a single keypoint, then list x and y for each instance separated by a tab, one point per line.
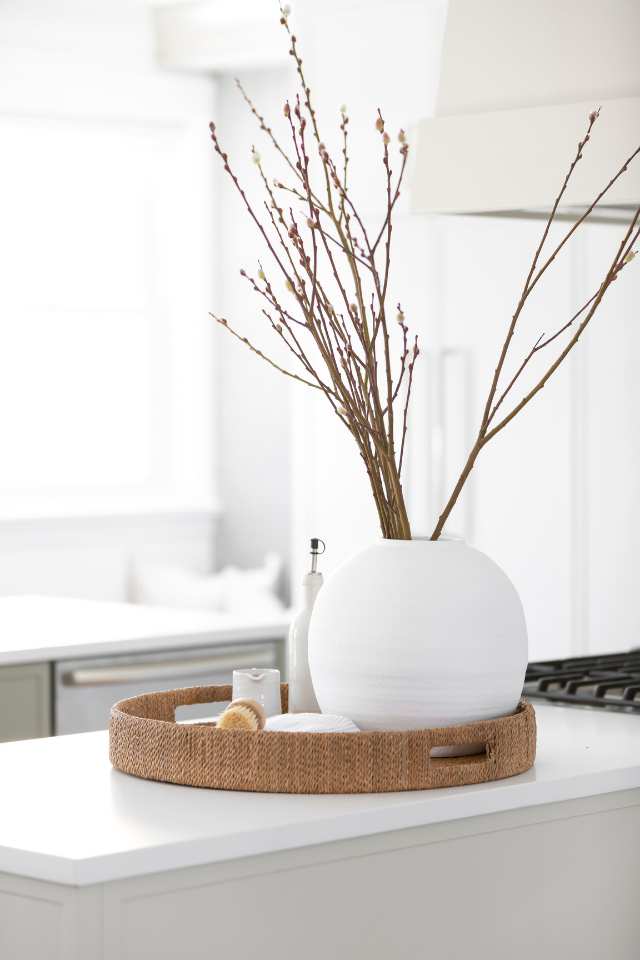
146	741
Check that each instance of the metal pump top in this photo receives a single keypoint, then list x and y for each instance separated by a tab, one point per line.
315	552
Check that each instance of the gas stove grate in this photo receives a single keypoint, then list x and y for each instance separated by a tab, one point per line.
611	680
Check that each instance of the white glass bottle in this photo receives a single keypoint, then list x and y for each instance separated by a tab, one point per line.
302	699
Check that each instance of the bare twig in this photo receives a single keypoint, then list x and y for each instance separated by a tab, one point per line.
486	432
224	323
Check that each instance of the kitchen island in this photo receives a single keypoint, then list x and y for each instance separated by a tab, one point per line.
96	864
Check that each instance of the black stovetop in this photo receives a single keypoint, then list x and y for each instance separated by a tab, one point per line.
611	680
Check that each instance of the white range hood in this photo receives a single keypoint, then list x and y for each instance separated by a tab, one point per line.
517	84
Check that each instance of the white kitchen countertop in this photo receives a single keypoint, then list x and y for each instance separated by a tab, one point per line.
67	816
34	628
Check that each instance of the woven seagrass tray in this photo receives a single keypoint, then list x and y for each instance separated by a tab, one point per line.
146	741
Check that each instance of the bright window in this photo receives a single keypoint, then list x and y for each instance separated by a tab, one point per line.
105	367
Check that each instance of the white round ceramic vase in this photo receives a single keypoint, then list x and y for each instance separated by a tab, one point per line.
410	634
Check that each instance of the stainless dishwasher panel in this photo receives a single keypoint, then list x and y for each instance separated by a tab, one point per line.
85	690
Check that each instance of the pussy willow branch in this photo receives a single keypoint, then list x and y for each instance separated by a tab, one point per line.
618	264
379	321
288	373
341	359
624	254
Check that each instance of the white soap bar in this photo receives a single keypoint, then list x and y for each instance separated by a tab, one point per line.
310	723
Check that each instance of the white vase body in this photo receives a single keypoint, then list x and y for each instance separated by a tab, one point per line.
413	634
302	698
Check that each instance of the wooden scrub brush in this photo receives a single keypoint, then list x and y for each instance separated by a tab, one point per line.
242	714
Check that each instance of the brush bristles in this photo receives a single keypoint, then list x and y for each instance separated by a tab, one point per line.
238	718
